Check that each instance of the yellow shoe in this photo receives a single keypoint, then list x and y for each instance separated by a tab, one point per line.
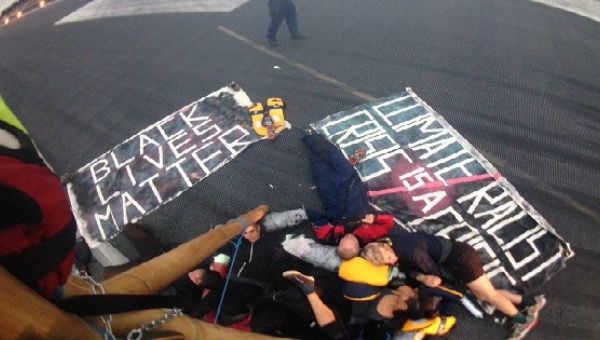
275	108
257	113
275	103
441	326
417	325
278	119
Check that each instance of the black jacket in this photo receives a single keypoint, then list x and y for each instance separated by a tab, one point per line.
253	260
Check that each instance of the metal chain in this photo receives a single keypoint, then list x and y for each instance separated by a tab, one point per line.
137	333
98	288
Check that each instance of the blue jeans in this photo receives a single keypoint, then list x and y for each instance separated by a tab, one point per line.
280	10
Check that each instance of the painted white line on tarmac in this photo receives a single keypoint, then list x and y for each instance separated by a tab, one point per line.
586	8
346	88
299	66
98	9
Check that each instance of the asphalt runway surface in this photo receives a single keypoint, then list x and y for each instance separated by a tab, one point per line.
519	80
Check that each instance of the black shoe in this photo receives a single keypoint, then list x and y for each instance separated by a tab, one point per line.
298	37
273	43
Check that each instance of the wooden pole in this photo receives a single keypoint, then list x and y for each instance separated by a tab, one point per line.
156	274
187	327
24	314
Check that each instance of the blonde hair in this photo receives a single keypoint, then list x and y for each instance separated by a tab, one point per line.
373	252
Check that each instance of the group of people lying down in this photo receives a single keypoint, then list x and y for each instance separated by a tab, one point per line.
357	276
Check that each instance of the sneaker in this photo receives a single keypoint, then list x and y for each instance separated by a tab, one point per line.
540	303
305	282
273	43
520	330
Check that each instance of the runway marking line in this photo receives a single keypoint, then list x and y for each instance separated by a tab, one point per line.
299	66
341	85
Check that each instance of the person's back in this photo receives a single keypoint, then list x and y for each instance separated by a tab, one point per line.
420	251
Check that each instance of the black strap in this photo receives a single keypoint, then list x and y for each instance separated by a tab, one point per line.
37	262
86	305
17	207
27	152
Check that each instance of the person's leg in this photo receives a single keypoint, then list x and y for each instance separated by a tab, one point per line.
291	21
318	145
324	150
276	20
516	299
465	265
279	220
483	290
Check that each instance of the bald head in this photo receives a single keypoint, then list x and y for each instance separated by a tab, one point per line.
348	247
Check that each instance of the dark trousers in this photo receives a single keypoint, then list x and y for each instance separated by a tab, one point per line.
239	298
280	10
342	193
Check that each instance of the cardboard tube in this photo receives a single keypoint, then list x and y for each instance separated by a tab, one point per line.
187	327
156	274
24	314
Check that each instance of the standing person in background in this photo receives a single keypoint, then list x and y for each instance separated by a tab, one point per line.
280	10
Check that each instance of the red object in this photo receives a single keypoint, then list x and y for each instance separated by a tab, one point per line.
380	228
219	268
366	233
243	325
45	189
328	232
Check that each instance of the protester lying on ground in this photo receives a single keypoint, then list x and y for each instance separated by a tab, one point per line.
318	255
339	186
421	255
249	302
368	286
349	238
298	311
389	306
325	317
250	275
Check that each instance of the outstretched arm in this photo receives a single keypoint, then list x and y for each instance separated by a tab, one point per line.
374	227
323	314
329	322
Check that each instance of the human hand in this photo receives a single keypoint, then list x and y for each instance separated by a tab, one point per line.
196	276
369	219
430	280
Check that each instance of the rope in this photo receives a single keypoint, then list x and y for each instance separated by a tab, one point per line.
237	246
